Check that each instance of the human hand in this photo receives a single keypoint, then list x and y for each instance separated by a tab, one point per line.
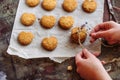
110	31
89	67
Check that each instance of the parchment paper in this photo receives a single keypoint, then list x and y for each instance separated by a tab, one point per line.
65	48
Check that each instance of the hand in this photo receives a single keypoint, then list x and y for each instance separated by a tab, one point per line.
110	31
89	67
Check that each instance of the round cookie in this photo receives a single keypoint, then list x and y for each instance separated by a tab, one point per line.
27	19
66	22
89	6
78	33
49	43
49	4
32	3
69	5
25	38
48	21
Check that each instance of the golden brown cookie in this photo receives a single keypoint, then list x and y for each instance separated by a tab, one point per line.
49	4
25	38
48	21
49	43
27	19
89	6
78	33
32	3
66	22
69	5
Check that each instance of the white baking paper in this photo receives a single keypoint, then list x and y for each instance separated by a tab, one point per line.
65	48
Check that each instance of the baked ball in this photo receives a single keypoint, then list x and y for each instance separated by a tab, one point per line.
49	43
66	22
25	38
49	4
78	33
69	5
48	21
89	6
28	19
32	3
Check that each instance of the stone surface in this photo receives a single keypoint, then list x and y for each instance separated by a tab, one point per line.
15	68
116	6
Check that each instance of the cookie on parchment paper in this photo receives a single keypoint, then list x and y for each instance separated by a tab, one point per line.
28	19
32	3
25	38
49	4
49	43
70	5
89	6
48	21
66	22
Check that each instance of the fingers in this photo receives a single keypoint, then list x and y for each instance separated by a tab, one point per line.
100	30
82	55
78	59
97	28
102	26
100	34
86	53
103	62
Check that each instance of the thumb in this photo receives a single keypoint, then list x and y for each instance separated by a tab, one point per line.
86	53
100	34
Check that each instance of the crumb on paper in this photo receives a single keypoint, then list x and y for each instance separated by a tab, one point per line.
69	68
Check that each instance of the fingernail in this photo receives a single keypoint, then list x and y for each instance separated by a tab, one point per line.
93	34
85	49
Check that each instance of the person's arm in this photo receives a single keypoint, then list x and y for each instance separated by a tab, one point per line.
110	31
89	67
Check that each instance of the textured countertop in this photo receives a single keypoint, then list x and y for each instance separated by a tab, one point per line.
15	68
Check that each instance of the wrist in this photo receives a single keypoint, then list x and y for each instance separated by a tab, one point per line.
102	75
